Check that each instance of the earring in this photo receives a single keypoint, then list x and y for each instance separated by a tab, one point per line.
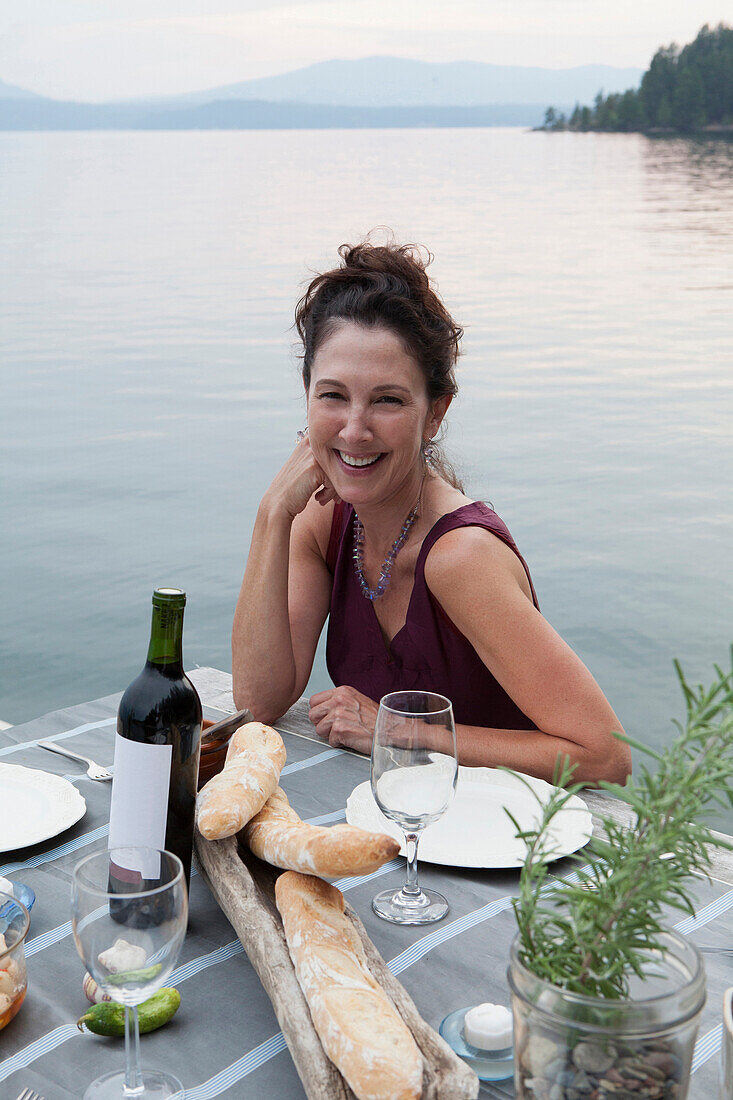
300	435
429	451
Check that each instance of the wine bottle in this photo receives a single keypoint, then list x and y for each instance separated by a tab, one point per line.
157	750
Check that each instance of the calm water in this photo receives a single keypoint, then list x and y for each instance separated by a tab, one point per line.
149	384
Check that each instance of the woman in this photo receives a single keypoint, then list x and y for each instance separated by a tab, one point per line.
425	588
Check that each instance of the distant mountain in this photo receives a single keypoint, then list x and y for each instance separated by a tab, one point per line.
399	82
371	92
11	91
238	114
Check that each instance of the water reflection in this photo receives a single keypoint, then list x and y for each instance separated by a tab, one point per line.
693	174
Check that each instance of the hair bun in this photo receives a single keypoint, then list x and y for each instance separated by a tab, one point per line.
408	262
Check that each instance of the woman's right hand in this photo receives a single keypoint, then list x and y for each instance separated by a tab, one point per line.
297	481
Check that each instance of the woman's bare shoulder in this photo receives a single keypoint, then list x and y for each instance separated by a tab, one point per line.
462	547
473	555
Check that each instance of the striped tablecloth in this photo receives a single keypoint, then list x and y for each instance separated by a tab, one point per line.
225	1040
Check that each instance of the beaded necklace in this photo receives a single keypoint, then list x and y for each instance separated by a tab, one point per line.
385	573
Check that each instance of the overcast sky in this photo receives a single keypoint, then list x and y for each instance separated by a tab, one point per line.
99	49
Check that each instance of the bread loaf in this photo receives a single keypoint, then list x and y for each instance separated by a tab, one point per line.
226	803
278	836
359	1027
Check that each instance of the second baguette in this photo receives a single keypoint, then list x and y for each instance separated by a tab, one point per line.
278	836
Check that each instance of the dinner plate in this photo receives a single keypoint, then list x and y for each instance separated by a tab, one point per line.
35	806
476	831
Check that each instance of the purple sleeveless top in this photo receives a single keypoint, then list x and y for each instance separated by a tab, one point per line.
429	653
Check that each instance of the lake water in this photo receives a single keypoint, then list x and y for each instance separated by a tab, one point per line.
150	387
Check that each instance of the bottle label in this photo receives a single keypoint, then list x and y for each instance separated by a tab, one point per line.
142	776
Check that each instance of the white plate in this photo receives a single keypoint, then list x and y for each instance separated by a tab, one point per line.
476	831
35	806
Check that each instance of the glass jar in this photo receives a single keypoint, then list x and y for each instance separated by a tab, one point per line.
726	1054
566	1044
14	922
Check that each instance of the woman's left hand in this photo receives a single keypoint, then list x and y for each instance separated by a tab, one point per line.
344	717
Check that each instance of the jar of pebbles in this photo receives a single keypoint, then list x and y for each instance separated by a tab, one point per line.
569	1047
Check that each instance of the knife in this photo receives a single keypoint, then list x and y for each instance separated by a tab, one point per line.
225	727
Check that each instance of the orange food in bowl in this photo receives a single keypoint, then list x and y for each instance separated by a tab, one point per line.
13	978
213	755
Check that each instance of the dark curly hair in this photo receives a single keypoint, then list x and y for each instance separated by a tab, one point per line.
385	286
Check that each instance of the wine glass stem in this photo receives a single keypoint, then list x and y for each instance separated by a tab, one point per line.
411	886
133	1077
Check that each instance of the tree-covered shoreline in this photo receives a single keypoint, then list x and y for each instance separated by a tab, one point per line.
683	91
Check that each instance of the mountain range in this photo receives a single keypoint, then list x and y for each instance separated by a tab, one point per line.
400	82
370	92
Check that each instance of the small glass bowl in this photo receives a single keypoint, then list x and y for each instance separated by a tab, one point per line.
488	1065
14	923
213	755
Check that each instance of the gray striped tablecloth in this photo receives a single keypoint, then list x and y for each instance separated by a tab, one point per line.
225	1041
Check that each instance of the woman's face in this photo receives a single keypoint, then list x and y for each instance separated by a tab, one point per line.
369	413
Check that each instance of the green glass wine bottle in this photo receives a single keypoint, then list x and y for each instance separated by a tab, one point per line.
157	750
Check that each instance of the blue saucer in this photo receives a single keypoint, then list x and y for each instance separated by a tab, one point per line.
488	1065
24	894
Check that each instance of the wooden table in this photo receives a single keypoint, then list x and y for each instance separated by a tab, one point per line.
225	1040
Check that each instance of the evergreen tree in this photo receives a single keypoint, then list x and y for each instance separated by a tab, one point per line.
629	111
664	114
657	84
688	103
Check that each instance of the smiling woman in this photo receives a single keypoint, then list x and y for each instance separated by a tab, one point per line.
365	523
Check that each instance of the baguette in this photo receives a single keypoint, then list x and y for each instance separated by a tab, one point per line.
251	773
278	836
359	1028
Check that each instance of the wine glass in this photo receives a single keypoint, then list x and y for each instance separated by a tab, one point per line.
414	774
129	910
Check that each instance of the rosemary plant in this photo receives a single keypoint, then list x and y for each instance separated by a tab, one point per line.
590	931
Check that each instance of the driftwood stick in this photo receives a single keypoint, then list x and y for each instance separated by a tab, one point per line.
245	890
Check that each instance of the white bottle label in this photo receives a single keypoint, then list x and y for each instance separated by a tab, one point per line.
142	775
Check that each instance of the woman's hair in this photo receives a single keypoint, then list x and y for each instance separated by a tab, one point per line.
385	286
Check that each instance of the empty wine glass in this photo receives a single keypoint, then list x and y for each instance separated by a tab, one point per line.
414	773
129	910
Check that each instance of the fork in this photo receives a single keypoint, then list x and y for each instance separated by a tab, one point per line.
29	1094
94	771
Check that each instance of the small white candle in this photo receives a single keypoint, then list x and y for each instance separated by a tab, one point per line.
6	886
488	1027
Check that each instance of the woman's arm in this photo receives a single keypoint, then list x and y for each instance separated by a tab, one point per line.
285	594
482	586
